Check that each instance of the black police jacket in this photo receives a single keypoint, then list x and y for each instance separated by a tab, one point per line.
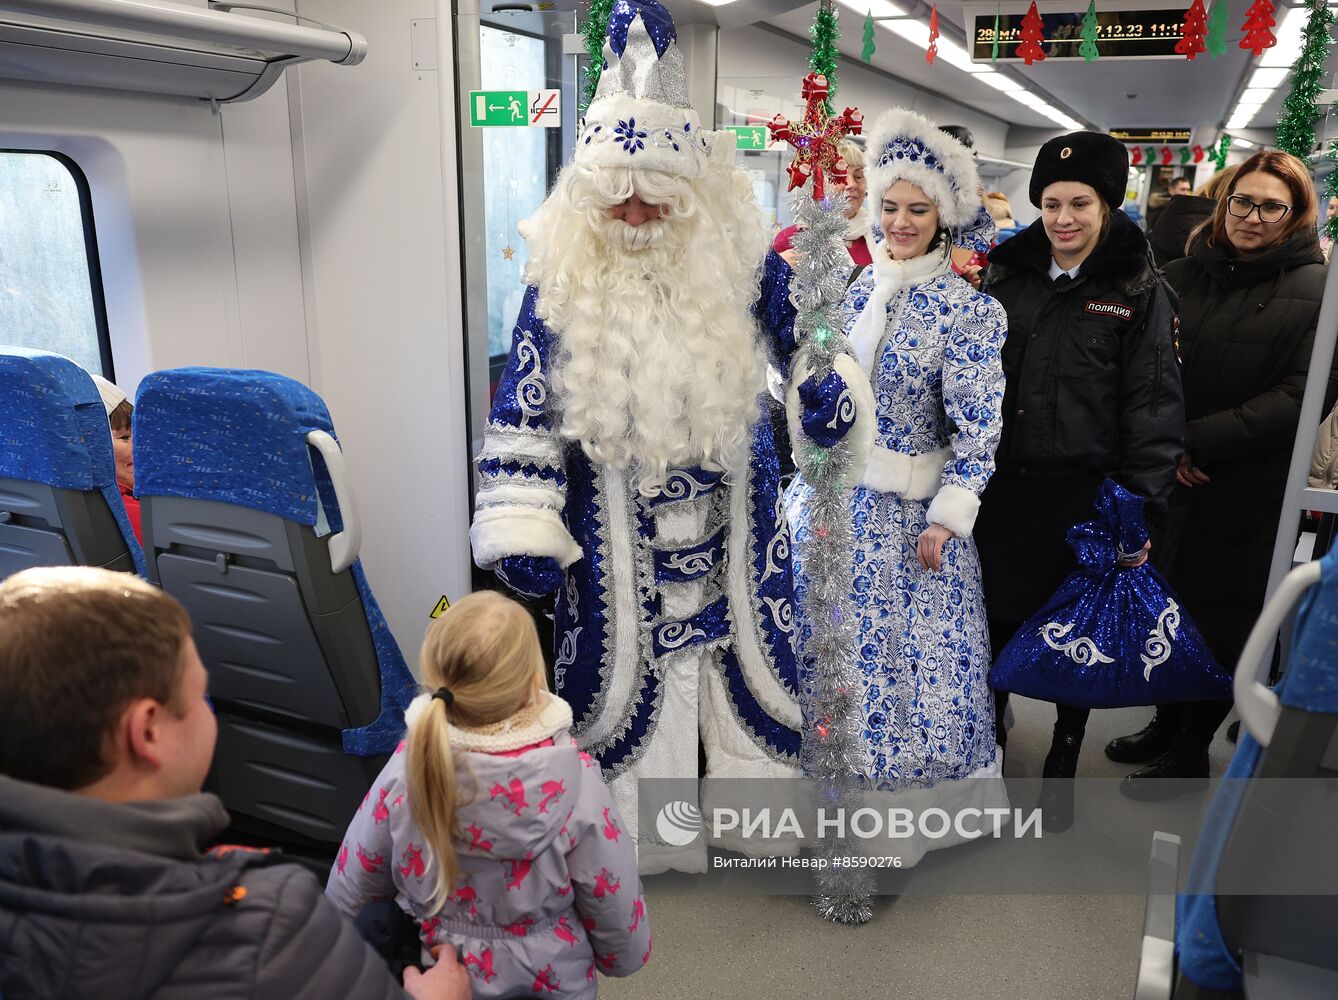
1093	382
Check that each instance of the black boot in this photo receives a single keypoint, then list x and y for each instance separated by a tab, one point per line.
1061	764
1148	743
1181	770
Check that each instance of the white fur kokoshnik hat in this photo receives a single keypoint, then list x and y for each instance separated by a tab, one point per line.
640	116
905	146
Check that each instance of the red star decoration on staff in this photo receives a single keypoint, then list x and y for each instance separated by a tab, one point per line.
815	138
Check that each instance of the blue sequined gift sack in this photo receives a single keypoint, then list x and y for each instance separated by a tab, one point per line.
1111	637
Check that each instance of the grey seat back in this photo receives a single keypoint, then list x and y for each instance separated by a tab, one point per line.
290	658
244	504
43	525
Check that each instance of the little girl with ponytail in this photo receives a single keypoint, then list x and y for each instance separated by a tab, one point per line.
490	828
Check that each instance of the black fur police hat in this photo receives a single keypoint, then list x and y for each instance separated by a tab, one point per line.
1087	157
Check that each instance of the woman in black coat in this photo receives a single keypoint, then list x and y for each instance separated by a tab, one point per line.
1249	299
1092	391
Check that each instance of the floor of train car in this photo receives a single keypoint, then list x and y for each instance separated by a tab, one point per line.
917	947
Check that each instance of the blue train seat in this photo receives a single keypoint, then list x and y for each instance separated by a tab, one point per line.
59	504
1259	912
249	521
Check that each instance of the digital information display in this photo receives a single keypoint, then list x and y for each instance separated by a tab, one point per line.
1157	136
1121	34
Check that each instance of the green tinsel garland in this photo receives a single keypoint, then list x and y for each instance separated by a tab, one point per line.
595	28
1296	127
825	32
1331	224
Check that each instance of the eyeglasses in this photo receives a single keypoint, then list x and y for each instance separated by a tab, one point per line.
1270	212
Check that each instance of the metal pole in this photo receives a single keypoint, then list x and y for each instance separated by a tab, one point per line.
1312	405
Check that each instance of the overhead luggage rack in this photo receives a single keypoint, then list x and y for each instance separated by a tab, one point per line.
208	52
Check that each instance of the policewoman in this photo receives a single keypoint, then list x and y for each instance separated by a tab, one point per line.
1092	391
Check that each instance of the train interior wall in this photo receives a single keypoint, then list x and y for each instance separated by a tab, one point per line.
310	232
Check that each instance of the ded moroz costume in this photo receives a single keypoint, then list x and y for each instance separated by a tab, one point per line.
626	464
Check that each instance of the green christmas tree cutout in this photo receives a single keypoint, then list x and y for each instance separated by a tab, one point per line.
867	52
1217	29
1090	34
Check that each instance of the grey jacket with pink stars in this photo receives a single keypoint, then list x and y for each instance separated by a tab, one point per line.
549	893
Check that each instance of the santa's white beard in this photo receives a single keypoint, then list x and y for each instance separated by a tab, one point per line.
658	364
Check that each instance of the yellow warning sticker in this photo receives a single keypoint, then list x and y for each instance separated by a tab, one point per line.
440	609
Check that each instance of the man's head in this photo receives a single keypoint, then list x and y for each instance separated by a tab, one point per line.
1179	185
647	278
101	688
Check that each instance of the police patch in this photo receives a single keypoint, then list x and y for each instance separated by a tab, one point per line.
1116	309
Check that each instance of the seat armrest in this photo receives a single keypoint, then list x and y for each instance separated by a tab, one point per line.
1156	961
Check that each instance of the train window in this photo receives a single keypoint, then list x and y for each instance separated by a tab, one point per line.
50	282
518	176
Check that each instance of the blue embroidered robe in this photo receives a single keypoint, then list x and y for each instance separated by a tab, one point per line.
541	495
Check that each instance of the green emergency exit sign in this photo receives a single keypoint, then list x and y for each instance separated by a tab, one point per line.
749	136
499	107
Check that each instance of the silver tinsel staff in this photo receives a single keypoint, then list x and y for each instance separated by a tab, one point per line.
831	731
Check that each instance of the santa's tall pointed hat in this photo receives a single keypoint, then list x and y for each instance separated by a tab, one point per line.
640	116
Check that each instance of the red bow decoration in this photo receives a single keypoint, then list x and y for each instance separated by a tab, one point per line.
816	137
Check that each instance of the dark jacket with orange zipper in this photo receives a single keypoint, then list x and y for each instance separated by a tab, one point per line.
116	902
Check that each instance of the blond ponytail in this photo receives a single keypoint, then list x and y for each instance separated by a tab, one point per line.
432	793
485	652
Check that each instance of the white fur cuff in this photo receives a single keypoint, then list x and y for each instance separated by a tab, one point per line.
911	477
860	436
499	532
955	508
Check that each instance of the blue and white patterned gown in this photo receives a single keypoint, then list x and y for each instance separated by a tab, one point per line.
923	653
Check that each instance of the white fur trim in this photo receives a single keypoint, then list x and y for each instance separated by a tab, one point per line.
526	728
890	276
524	494
599	143
955	189
860	436
955	508
911	477
499	532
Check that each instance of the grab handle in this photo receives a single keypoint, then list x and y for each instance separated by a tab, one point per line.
1257	703
345	544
